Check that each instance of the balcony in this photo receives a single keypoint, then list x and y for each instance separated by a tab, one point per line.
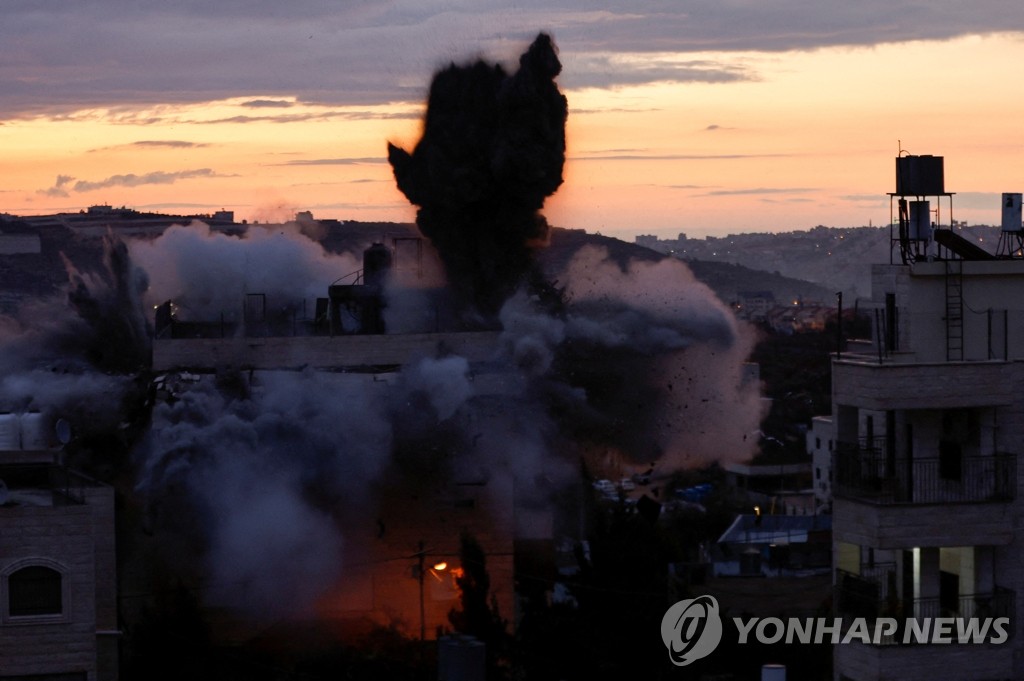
938	385
872	597
868	474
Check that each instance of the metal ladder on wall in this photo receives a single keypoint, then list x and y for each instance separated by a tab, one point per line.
954	311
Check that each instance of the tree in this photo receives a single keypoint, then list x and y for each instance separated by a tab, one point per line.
479	616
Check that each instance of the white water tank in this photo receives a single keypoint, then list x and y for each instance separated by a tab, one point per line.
34	437
1012	213
920	228
10	432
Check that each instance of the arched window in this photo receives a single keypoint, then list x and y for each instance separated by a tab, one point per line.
35	590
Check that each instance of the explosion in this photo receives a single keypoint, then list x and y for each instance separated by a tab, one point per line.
492	150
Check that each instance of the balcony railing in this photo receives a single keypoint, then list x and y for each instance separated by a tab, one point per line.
858	596
868	474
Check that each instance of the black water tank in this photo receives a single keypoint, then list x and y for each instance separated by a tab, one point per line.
376	264
920	176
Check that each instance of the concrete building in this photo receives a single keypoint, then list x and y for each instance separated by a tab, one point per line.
819	446
58	586
927	489
761	545
755	305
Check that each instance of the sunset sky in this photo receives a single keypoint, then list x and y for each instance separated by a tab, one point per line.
685	116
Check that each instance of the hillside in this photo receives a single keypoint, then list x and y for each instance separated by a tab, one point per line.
838	259
33	275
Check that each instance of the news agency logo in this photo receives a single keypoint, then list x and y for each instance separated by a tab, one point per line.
691	629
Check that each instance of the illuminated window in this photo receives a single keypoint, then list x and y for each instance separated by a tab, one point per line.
35	590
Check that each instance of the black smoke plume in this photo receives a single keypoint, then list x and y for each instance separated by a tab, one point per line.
492	151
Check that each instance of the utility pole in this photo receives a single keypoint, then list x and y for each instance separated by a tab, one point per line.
839	327
422	554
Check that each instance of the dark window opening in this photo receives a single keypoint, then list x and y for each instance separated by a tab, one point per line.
951	445
950	460
34	590
949	592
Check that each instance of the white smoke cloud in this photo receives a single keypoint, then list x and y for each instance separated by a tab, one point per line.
208	273
650	306
673	383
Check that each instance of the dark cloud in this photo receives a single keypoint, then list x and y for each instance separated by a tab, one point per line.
155	144
63	182
760	190
268	104
606	70
170	144
868	198
315	116
333	161
58	188
675	157
374	53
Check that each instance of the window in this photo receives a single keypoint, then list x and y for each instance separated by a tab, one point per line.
950	460
35	590
951	445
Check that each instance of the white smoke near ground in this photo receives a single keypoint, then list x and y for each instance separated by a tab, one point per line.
273	473
444	382
208	273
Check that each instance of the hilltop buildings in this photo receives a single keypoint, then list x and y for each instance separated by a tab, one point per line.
927	485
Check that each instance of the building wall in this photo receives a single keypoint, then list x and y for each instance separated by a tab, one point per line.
859	662
819	445
870	385
317	351
921	388
920	292
80	539
909	526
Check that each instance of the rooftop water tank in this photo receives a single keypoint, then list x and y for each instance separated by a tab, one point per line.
33	432
920	227
10	432
376	264
919	176
1012	213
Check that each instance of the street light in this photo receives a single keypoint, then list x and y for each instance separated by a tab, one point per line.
440	566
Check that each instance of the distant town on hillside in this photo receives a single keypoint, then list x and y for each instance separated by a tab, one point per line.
836	258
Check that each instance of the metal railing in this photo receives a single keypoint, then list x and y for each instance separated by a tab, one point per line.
858	596
869	474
